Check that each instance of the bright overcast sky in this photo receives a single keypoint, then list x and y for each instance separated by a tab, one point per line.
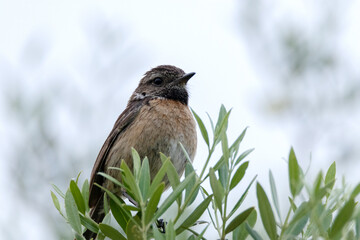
197	36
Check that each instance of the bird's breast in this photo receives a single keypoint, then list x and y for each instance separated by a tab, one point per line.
159	127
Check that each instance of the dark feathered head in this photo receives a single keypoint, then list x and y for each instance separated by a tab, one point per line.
164	81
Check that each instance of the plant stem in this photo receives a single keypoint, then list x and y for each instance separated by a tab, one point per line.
217	224
227	191
285	223
144	227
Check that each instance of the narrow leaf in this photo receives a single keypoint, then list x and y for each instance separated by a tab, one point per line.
58	191
330	175
299	220
112	179
239	174
88	223
218	164
243	155
136	163
266	213
163	157
317	185
241	199
240	232
106	204
235	146
159	177
356	191
357	226
80	203
342	218
100	236
200	236
153	203
113	197
77	178
72	212
274	194
185	152
172	197
225	148
85	193
211	122
203	130
195	233
55	201
325	190
239	219
221	128
188	170
79	237
292	204
204	191
144	182
129	179
217	188
170	231
221	116
131	208
120	216
255	235
111	232
194	216
133	231
173	177
297	228
223	174
296	183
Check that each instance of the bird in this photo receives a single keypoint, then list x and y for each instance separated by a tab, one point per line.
157	117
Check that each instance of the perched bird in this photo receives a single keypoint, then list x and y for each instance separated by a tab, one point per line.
156	119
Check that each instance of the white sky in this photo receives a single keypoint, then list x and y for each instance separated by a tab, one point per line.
200	36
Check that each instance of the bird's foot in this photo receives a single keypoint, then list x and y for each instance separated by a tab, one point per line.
161	225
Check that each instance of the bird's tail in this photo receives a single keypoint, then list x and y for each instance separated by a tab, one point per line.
97	214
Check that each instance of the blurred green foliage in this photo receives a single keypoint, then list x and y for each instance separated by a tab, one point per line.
317	210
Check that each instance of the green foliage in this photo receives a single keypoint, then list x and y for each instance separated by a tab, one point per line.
139	222
295	174
266	213
322	211
316	209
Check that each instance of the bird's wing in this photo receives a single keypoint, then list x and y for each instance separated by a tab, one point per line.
124	120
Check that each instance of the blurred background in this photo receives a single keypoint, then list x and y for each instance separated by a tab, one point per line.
289	71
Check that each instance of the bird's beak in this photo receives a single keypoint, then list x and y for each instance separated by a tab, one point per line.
184	79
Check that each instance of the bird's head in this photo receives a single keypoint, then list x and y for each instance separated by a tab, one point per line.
164	81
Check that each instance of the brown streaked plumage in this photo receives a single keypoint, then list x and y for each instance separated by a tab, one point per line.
155	120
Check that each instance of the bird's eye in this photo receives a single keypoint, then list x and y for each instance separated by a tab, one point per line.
158	81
